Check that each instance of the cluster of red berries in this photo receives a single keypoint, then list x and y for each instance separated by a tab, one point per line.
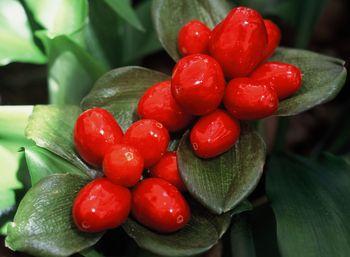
236	49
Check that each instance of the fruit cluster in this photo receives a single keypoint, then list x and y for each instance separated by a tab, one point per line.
235	50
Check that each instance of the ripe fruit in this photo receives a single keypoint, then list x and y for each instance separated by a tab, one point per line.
123	165
214	134
167	169
158	205
101	205
239	41
159	104
198	84
150	138
249	99
193	38
284	77
273	38
95	131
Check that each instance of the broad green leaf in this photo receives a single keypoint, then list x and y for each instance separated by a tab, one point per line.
43	225
119	91
16	39
170	15
51	127
124	9
323	77
310	199
242	242
203	231
13	120
42	163
59	17
72	71
9	165
221	183
7	201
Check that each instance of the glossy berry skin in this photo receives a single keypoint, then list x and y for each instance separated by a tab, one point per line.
198	84
214	134
167	169
95	131
157	204
193	38
249	99
273	38
150	138
239	41
285	78
123	165
159	104
101	205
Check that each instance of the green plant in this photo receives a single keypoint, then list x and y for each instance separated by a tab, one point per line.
308	196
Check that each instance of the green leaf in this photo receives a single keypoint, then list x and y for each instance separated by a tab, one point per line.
119	91
203	231
170	15
13	120
7	201
42	163
221	183
51	127
43	225
124	9
59	17
16	39
72	70
310	200
8	166
241	237
323	77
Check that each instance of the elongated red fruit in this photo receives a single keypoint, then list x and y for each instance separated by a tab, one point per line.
284	77
273	38
150	138
123	165
249	99
101	205
198	84
193	38
214	134
167	169
239	41
95	131
159	104
157	204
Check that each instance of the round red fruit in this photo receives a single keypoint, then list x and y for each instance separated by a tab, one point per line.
150	138
167	169
284	77
249	99
95	131
159	205
193	38
239	41
123	165
214	134
159	104
101	205
273	38
198	84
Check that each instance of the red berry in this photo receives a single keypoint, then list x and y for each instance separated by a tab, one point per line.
158	205
239	41
198	84
150	138
214	134
284	77
95	131
273	38
249	99
101	205
123	165
193	38
167	169
159	104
